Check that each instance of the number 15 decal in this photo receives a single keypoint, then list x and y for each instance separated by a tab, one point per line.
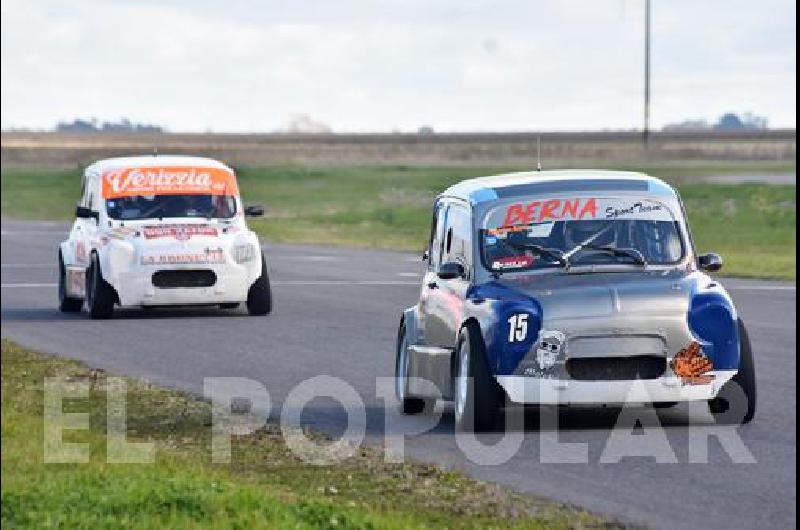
517	327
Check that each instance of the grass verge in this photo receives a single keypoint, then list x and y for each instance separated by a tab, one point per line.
265	486
753	226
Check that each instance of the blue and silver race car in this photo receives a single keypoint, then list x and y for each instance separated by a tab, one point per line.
569	287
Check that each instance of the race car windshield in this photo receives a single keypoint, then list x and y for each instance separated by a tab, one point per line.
160	206
610	232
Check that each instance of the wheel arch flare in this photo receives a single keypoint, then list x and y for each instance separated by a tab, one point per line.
713	320
509	323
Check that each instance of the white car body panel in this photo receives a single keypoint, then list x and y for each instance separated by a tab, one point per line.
529	390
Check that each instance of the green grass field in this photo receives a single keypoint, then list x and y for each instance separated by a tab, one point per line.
752	226
265	486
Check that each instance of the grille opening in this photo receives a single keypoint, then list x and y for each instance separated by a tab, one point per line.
171	279
616	368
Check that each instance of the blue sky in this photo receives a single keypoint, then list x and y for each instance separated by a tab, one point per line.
456	65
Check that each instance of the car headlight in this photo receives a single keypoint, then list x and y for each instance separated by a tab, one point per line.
244	253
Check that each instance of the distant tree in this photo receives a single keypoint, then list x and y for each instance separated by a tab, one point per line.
304	124
688	125
123	125
731	121
425	129
755	122
77	125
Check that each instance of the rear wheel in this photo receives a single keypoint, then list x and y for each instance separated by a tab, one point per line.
259	297
736	401
66	304
408	405
478	399
100	296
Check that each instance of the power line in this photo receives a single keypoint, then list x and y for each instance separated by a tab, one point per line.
647	22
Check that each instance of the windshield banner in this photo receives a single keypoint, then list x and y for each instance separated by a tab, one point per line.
127	182
583	208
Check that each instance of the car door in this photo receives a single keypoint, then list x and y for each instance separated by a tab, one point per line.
428	301
448	296
456	248
84	230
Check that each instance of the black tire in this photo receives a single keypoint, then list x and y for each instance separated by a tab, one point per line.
66	304
736	401
100	296
483	399
408	405
259	297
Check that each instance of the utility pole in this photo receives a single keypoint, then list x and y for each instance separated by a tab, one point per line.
646	130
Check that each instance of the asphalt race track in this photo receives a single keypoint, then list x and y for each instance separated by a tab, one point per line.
336	313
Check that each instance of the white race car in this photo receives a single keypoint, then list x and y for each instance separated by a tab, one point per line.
156	231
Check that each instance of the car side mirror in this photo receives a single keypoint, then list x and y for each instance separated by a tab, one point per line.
451	270
82	212
709	262
254	210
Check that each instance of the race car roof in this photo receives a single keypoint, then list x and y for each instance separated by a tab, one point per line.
483	189
101	166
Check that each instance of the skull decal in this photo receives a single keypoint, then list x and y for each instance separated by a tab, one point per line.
549	348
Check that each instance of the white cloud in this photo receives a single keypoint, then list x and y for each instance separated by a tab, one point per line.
361	65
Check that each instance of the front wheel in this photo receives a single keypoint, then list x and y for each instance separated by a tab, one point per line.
478	399
100	296
736	401
259	297
66	304
408	405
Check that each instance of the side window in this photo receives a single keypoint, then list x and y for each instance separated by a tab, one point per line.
437	235
91	194
458	240
82	200
88	198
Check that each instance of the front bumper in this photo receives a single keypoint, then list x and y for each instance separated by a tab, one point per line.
135	286
669	388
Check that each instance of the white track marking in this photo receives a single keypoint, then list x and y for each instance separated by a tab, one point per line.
752	324
342	282
34	233
286	282
293	257
762	288
409	274
28	285
382	282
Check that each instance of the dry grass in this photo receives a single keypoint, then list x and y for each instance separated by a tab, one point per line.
26	150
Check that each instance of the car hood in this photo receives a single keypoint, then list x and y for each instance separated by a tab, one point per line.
610	314
652	304
581	296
